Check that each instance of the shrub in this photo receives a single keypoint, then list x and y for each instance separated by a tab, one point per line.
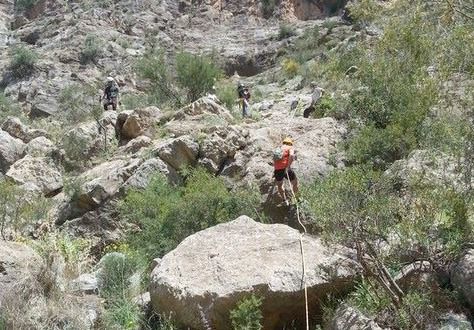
92	50
325	107
247	314
227	94
8	108
23	62
196	74
115	272
286	31
24	5
290	67
268	7
154	67
76	103
167	214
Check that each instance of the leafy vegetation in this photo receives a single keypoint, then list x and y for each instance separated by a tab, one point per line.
23	62
247	314
167	214
286	31
92	50
195	74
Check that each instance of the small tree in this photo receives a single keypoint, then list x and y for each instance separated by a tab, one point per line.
195	74
92	50
23	62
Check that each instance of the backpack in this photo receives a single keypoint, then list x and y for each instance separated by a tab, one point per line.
279	154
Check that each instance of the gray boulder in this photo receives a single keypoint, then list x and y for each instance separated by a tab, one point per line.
210	271
17	129
349	318
463	277
40	147
179	152
11	149
37	174
146	171
138	122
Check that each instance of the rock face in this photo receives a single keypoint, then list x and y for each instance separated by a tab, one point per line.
11	149
463	277
179	152
37	174
210	271
18	263
348	318
138	122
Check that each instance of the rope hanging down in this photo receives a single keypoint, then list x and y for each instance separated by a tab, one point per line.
302	253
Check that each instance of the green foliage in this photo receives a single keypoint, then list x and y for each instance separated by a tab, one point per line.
18	209
227	94
195	74
369	298
364	11
23	62
326	106
122	314
76	149
115	272
154	67
8	108
77	103
247	314
268	7
168	214
286	31
290	67
92	50
24	5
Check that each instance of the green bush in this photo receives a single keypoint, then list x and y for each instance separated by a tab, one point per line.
18	209
247	314
286	31
227	94
23	5
196	74
325	107
290	67
115	272
268	7
122	314
23	62
168	214
8	108
92	50
154	67
77	102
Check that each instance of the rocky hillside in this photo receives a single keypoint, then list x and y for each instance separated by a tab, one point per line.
164	214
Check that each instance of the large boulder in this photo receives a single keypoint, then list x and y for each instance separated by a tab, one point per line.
179	152
38	174
40	147
138	122
18	263
349	318
146	171
103	182
16	128
11	149
210	271
463	277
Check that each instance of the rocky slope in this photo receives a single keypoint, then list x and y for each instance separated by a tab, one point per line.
120	151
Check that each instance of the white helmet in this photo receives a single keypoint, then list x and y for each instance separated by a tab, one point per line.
110	79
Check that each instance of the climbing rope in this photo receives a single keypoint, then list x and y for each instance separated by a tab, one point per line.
302	252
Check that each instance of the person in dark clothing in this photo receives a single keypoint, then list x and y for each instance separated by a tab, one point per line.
244	97
111	93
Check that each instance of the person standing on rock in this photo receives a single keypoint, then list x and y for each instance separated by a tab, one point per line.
283	157
111	94
244	97
315	97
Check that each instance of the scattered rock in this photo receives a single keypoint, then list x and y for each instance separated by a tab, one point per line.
37	174
17	129
179	152
85	283
463	277
146	171
210	271
11	149
135	145
40	147
349	318
18	263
